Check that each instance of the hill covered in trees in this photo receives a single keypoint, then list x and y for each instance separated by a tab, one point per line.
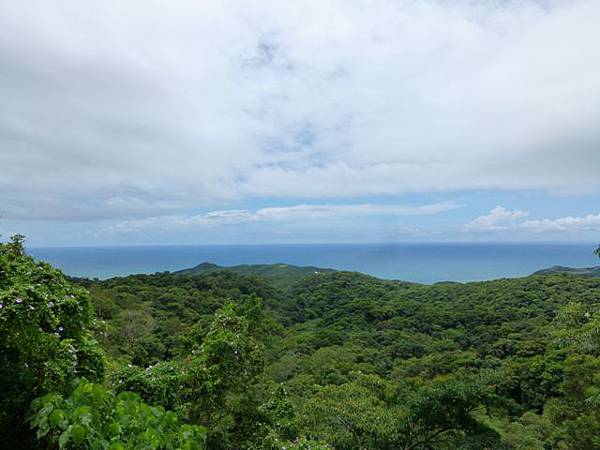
279	275
579	271
341	360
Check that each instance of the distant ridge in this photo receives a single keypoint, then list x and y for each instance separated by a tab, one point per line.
280	275
581	271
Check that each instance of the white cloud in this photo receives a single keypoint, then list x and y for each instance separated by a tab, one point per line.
591	222
296	213
501	219
124	110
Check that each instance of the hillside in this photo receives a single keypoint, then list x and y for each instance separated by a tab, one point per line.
581	271
406	338
279	275
338	360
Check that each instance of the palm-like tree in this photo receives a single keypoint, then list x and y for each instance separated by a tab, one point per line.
597	252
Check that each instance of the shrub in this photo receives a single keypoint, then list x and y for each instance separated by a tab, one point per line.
45	342
97	419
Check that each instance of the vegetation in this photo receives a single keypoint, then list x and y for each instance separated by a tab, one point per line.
583	271
45	338
334	360
278	275
92	417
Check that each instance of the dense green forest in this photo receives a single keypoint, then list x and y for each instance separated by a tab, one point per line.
278	275
331	360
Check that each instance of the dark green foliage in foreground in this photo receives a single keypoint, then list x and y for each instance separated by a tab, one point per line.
45	341
337	360
96	419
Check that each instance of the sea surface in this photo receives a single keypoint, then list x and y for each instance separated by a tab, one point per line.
422	263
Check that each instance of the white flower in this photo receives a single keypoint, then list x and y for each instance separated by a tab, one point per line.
60	329
19	300
1	306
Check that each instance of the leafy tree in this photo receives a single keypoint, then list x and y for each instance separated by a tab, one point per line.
370	413
222	376
161	384
45	341
353	415
97	419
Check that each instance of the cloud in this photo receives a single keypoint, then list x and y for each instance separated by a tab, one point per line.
499	218
502	219
129	110
297	213
591	222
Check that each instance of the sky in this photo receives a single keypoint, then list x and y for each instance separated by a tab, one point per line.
199	122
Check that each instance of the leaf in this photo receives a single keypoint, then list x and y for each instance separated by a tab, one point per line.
64	438
78	433
56	417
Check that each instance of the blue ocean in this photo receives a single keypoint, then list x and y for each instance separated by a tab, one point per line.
422	263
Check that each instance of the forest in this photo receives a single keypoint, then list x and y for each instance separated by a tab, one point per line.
330	360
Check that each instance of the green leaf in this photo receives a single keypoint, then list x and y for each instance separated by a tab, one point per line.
78	433
64	438
116	446
56	417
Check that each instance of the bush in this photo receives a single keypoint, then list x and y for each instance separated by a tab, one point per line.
95	418
45	342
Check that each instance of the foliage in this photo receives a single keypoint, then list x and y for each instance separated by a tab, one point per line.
370	413
45	340
280	276
222	375
96	419
430	345
336	360
161	384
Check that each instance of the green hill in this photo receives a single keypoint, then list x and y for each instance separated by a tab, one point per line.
279	275
336	361
579	271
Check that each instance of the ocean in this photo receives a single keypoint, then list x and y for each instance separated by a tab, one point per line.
422	262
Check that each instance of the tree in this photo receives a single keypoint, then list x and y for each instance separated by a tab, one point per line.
597	251
371	413
222	375
45	342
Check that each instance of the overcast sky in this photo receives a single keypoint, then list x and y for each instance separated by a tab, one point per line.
308	121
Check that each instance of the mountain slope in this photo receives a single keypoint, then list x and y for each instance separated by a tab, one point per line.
580	271
279	275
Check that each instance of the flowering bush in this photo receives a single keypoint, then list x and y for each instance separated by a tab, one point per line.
45	341
160	384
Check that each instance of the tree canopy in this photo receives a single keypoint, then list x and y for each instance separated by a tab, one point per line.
336	360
